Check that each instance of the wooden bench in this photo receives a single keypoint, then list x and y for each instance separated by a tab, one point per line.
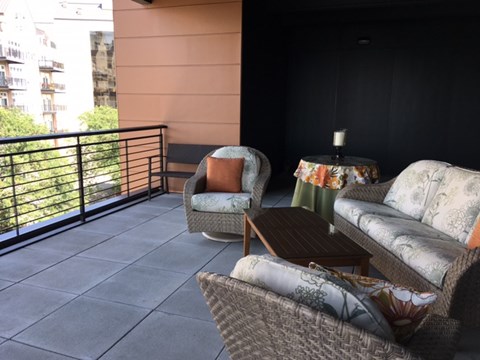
177	154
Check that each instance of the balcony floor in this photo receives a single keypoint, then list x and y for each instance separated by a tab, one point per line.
123	287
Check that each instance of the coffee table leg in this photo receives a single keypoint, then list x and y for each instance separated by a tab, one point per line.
364	267
247	228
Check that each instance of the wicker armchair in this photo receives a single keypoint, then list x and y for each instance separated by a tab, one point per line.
232	223
259	324
458	298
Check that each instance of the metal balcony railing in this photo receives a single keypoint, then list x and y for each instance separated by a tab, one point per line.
53	108
52	87
13	83
11	54
50	65
50	181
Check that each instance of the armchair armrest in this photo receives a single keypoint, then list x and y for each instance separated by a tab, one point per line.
368	192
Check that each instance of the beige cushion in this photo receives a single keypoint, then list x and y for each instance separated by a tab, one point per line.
456	204
414	187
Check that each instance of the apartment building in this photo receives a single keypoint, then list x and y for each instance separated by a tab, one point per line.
56	59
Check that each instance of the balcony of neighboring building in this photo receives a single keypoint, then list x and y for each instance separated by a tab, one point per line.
52	87
50	66
11	54
53	108
13	83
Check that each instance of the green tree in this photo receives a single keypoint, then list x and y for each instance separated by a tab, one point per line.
45	184
101	154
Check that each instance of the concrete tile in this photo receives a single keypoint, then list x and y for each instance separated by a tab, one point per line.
144	209
183	258
187	301
75	275
169	337
224	355
5	284
23	263
2	340
22	306
140	286
174	216
156	230
71	242
84	328
198	239
225	261
169	201
15	351
122	248
112	224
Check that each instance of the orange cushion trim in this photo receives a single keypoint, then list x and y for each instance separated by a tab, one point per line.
224	175
474	240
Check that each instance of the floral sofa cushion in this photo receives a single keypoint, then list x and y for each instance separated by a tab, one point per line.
221	202
404	308
251	166
320	291
353	210
456	204
414	188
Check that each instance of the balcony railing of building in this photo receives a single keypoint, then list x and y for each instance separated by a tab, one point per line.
53	108
50	65
52	87
11	54
13	83
48	182
23	108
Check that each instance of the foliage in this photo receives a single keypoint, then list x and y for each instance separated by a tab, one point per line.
45	185
101	154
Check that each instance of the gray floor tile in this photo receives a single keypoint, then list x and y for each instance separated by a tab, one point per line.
75	275
23	263
199	239
22	305
4	284
224	355
112	224
2	340
71	242
168	200
122	248
174	216
169	337
184	258
84	328
12	350
148	209
225	261
139	286
156	230
187	301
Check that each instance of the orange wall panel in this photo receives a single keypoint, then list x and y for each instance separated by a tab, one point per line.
184	50
129	4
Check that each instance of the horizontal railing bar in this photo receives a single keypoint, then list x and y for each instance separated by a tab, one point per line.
79	133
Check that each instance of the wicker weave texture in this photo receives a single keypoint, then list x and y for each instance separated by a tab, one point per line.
198	221
458	298
259	324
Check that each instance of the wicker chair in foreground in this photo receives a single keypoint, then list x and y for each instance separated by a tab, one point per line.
210	218
259	324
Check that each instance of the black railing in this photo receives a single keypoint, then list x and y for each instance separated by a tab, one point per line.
49	181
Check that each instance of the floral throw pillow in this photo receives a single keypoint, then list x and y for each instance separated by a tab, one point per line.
320	291
404	308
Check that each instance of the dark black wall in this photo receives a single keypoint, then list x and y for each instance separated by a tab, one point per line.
412	93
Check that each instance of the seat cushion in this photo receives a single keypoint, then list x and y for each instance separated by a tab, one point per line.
353	210
251	166
320	291
456	204
404	308
423	248
415	186
219	202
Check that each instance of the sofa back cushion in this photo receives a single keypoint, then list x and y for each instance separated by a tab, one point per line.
414	187
320	291
251	167
456	204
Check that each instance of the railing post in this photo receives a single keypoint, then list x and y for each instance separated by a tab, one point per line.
81	189
128	167
160	141
14	194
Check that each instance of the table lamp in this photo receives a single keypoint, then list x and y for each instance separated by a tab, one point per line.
339	138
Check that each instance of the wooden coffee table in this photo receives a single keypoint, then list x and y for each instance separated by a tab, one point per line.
301	236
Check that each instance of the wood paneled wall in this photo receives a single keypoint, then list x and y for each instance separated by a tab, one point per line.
178	63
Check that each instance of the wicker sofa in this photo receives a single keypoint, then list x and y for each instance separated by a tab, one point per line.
365	212
259	324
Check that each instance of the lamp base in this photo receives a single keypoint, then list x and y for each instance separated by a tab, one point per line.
338	154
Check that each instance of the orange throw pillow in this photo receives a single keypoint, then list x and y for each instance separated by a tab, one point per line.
474	240
224	175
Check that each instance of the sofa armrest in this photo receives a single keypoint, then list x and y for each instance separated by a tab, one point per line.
436	338
368	192
461	289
